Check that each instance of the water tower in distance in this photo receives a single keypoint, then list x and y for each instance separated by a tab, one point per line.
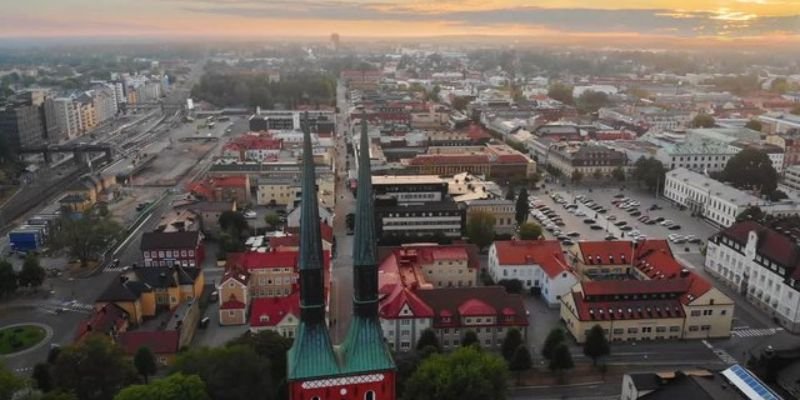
335	41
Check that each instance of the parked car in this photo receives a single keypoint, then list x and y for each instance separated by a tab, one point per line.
612	218
580	214
619	195
674	227
596	227
574	234
650	222
567	242
620	223
588	221
611	237
635	213
659	220
250	214
666	222
625	228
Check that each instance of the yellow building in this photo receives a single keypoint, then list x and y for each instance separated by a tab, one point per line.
503	210
286	191
663	301
145	291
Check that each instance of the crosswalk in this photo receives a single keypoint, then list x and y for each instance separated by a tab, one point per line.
56	307
752	332
722	354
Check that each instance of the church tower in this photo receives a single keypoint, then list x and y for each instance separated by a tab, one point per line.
361	368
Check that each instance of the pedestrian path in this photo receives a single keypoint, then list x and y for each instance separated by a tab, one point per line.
722	354
750	332
58	306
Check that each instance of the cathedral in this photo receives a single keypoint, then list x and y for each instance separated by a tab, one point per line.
360	368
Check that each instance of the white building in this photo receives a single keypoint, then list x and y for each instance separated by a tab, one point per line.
538	264
791	177
63	119
762	264
714	200
105	102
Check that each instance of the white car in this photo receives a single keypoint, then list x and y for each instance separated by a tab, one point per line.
250	214
580	214
666	222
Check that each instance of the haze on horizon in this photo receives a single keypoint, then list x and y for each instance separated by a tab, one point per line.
714	22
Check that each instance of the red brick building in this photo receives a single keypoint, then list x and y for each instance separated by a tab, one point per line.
164	249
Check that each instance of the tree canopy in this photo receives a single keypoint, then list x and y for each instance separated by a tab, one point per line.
512	340
230	373
465	374
522	207
521	360
480	228
591	101
530	231
754	124
145	362
561	359
86	236
270	346
554	338
470	339
751	169
32	274
228	89
650	172
8	278
703	121
94	370
173	387
561	92
9	383
596	344
428	338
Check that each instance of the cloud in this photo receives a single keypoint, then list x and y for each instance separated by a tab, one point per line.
581	20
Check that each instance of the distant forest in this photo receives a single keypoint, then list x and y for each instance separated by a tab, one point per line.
231	89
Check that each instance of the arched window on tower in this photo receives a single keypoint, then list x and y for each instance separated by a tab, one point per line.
370	395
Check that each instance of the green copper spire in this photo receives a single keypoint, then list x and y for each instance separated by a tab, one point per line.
364	348
312	353
365	260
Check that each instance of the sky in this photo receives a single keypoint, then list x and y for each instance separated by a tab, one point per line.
712	21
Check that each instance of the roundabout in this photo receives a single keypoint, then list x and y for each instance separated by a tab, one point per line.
21	338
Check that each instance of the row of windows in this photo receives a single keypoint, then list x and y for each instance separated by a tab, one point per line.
168	253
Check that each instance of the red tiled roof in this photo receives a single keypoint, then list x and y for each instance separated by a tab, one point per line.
102	320
284	241
606	252
771	244
657	262
545	253
392	304
452	301
432	159
632	286
325	230
274	309
627	310
255	260
160	342
401	265
475	307
232	304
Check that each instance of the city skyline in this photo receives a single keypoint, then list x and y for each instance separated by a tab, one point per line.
573	21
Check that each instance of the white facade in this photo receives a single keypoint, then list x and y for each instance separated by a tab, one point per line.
764	282
66	117
403	332
105	103
533	275
791	177
716	201
260	154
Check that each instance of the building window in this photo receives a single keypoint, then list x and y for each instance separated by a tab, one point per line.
693	328
696	313
369	395
633	330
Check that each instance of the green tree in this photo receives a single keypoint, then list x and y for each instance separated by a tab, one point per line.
561	92
751	169
270	346
618	174
597	175
460	103
174	387
465	374
470	339
31	394
554	338
596	344
428	338
753	213
577	176
703	121
510	195
86	236
145	362
754	124
480	228
561	360
9	383
230	373
530	231
32	274
650	172
8	278
512	340
520	361
591	101
522	207
233	222
42	377
94	370
272	220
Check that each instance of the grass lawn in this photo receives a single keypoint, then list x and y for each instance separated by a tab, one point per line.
19	338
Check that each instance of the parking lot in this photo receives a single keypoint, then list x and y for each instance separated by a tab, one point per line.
577	222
